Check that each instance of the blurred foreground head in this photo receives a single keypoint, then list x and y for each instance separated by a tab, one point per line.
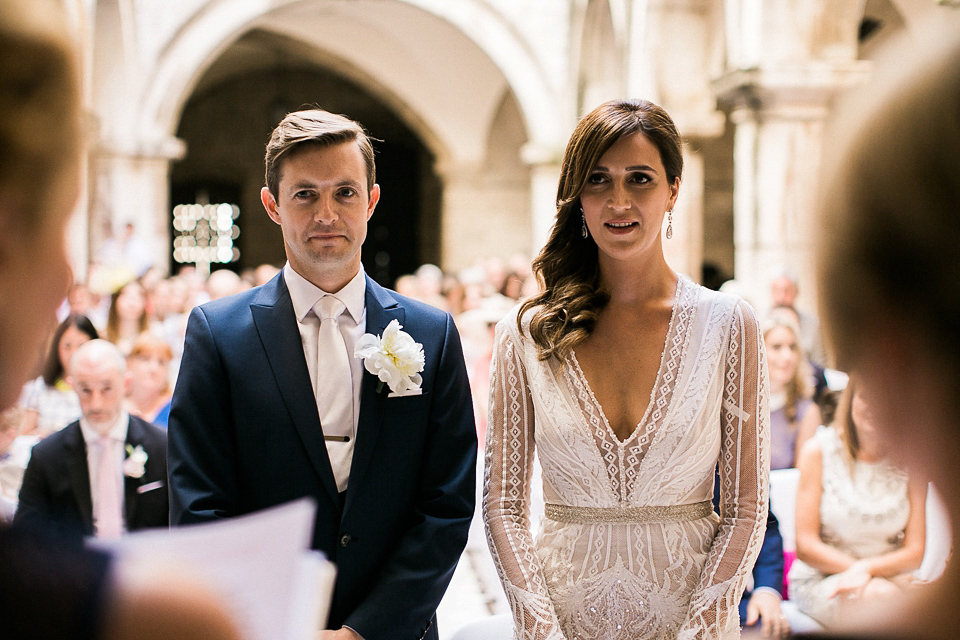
890	248
40	144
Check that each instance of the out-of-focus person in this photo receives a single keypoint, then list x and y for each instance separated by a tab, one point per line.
890	284
430	286
49	401
14	455
127	317
49	590
860	520
264	273
793	415
105	473
784	289
223	283
149	390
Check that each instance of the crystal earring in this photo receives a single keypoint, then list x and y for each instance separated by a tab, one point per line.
583	229
669	224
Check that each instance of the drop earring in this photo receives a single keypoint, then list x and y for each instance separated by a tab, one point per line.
583	228
669	224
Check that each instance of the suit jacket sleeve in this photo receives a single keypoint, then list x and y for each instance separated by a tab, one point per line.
34	503
200	448
411	584
768	571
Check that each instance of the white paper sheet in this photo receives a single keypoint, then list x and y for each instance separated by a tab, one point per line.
260	564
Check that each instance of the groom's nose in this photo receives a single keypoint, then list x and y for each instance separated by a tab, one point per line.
326	210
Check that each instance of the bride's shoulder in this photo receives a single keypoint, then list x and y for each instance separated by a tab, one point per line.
516	323
730	304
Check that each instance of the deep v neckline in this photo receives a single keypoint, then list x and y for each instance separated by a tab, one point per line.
657	383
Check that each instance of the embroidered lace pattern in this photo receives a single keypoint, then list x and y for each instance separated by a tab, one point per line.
618	580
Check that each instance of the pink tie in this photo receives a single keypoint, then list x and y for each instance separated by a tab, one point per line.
108	510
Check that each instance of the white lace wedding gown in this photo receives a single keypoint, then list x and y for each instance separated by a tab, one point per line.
603	580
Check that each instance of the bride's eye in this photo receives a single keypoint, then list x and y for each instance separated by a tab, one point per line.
596	178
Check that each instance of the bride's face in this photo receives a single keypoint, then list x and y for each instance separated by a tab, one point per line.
626	197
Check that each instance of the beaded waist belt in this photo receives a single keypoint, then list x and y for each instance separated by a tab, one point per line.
638	515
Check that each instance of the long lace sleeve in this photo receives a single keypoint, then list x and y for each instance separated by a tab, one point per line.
744	476
506	494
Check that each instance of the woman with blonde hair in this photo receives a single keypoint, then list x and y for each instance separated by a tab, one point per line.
794	417
148	365
631	384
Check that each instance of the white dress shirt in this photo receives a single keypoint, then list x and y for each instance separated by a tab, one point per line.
118	440
352	324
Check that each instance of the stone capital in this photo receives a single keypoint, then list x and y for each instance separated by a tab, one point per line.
802	91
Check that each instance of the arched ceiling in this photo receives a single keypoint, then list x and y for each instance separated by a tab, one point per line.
444	82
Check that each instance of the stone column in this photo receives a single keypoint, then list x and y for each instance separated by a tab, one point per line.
786	63
133	186
544	165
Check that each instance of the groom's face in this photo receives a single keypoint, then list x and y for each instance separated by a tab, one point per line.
322	207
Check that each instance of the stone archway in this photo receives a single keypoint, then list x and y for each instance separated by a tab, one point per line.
228	119
448	101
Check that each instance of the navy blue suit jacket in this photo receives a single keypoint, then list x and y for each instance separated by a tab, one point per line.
56	484
768	570
244	435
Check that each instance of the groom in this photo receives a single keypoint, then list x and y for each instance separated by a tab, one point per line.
271	405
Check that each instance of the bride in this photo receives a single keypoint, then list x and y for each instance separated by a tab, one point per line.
632	384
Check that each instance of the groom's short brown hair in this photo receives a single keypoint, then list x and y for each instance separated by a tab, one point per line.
314	127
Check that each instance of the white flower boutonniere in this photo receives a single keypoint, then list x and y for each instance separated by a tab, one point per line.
396	358
135	464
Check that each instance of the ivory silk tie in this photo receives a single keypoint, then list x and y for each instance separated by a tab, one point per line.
108	518
334	389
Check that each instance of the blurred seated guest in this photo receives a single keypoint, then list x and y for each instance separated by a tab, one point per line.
105	473
223	283
14	455
793	415
860	520
784	290
149	391
49	401
264	274
127	317
430	286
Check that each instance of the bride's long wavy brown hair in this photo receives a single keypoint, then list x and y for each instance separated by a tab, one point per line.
567	267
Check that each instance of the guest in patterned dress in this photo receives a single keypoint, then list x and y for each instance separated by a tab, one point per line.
860	520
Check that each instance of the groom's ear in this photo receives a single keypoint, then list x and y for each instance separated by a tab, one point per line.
373	200
270	204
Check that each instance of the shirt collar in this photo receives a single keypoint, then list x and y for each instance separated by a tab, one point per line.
117	432
304	294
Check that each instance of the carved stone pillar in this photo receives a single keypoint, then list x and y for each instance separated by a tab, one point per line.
787	61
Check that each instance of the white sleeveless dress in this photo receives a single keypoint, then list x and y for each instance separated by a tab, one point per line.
864	514
632	580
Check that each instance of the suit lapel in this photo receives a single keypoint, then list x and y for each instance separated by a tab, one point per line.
79	474
277	326
382	308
